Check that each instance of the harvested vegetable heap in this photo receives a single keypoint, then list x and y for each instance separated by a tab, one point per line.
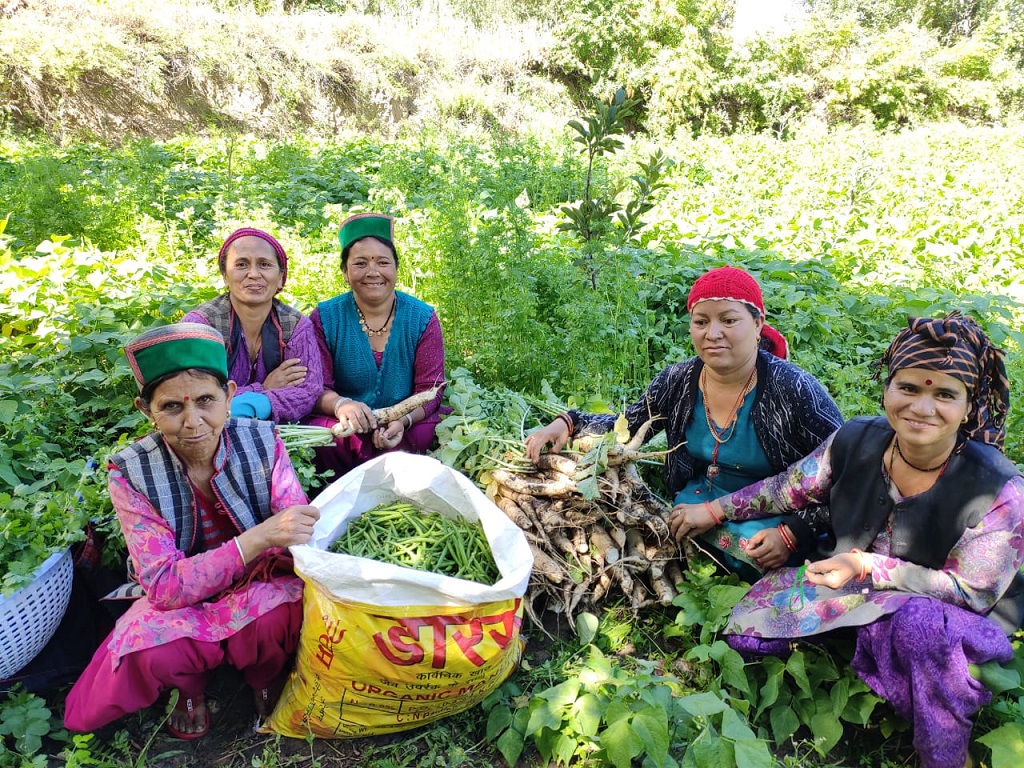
598	534
403	534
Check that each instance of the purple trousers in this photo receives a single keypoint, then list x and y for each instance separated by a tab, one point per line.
917	659
262	650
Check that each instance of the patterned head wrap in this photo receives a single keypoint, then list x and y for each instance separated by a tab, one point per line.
956	345
735	284
282	257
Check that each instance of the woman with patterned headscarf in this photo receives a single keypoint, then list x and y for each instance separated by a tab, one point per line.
924	550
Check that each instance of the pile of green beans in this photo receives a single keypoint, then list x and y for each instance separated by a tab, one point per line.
403	534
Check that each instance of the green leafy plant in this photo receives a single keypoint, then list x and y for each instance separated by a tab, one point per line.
25	718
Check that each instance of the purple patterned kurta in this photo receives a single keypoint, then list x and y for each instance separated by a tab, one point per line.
918	628
198	596
977	572
287	403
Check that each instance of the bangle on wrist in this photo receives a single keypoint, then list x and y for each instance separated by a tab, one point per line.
863	564
409	417
787	537
241	554
567	420
711	511
340	401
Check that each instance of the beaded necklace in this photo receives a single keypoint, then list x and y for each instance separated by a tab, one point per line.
725	434
376	331
936	468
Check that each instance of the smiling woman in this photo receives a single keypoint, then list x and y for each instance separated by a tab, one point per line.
271	347
377	346
920	550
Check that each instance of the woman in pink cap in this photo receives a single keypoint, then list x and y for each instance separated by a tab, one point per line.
272	352
735	413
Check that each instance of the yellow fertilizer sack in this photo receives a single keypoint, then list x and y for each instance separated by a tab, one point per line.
385	648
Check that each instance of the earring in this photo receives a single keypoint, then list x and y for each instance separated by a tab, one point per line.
966	419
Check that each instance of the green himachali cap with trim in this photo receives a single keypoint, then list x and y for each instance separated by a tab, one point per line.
176	347
366	225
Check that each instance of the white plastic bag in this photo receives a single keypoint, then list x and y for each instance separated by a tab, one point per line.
385	648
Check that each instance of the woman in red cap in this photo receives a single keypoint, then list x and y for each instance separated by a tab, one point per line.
206	503
924	517
735	413
272	353
378	346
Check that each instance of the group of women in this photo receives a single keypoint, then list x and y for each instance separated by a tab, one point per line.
905	529
209	503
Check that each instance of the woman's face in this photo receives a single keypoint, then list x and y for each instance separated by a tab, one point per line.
371	271
926	408
724	334
252	273
190	410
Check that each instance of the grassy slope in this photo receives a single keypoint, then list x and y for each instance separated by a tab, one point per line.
126	67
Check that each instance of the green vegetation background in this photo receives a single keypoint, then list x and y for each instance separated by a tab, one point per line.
866	166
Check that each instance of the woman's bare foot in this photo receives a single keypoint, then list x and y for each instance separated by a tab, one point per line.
189	719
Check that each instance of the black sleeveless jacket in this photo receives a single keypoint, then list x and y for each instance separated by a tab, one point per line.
927	526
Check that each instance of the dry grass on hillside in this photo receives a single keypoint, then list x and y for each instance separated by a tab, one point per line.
133	68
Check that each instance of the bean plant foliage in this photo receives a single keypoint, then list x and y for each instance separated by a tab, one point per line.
492	233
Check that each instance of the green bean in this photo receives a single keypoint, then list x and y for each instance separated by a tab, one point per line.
402	534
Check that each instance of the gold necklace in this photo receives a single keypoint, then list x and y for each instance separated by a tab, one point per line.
721	438
376	331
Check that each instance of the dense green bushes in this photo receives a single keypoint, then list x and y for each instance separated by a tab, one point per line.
849	233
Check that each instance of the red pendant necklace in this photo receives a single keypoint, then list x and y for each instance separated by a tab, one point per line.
722	436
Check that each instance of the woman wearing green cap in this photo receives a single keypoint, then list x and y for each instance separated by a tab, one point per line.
378	346
207	504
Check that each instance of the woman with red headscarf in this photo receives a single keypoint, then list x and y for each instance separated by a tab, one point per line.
272	352
924	515
735	413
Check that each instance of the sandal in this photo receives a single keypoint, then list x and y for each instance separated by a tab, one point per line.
188	706
265	699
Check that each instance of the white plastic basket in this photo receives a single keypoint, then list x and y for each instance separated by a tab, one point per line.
29	617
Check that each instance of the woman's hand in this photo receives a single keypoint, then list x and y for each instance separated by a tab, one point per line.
355	415
835	571
290	373
767	549
556	433
293	525
689	520
387	437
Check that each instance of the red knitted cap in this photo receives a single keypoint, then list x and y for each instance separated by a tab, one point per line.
733	284
282	257
726	284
